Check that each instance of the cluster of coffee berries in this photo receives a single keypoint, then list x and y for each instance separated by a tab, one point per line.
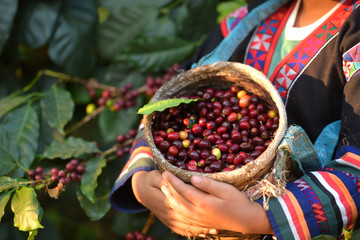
36	175
154	83
73	171
124	142
222	131
138	235
124	98
114	98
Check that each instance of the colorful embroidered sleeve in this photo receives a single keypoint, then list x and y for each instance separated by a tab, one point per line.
231	20
321	202
351	62
140	159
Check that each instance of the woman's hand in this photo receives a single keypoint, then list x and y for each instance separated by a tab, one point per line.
147	190
213	204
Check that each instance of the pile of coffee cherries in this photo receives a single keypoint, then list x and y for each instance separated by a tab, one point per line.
222	131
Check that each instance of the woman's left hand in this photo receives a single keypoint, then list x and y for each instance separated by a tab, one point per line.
214	204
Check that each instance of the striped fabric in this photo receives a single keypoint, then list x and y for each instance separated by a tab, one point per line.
350	159
321	202
140	159
139	150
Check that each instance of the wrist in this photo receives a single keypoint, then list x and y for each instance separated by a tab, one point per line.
251	218
261	220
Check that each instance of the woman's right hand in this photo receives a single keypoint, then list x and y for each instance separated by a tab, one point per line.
147	190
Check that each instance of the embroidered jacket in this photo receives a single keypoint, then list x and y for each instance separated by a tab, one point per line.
319	82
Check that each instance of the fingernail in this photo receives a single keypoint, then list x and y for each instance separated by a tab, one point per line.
213	231
196	179
164	189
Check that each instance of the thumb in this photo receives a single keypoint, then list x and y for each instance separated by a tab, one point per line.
210	185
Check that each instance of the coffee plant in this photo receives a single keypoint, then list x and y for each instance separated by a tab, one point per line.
73	75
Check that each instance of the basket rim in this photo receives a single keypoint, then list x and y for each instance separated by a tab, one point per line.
220	69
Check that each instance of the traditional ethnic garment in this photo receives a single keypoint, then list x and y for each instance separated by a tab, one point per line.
319	82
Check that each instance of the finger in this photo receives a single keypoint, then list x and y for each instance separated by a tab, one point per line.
175	184
172	216
185	210
211	186
181	225
176	203
184	193
191	231
156	179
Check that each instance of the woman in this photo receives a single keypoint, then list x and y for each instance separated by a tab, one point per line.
310	50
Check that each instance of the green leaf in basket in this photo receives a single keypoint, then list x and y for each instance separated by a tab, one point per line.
164	104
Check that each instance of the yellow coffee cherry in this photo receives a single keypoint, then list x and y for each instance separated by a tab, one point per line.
241	93
90	108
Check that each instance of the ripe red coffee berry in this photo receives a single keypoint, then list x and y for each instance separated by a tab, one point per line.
119	152
232	117
158	140
178	145
197	129
216	166
62	173
202	122
80	169
201	163
221	130
120	138
230	158
54	171
39	170
164	146
248	159
75	161
32	173
191	167
194	155
130	236
173	151
238	159
106	94
172	136
211	125
244	125
186	121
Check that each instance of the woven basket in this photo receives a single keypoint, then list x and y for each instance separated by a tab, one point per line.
223	75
